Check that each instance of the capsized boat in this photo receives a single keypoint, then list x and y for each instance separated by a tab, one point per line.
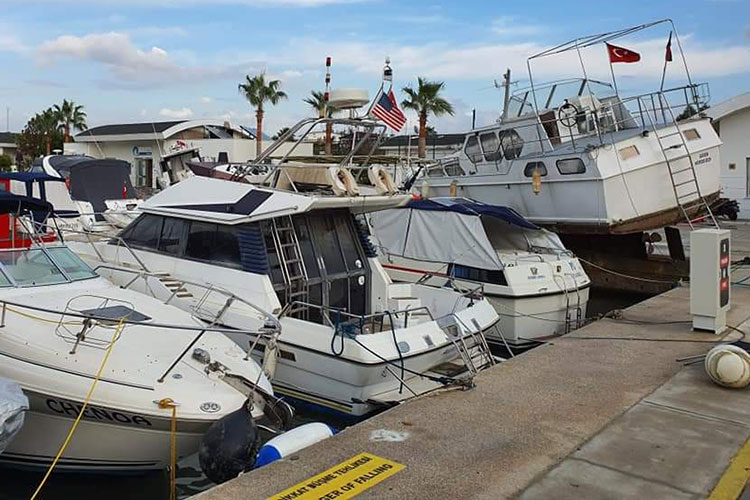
63	327
351	341
538	288
579	156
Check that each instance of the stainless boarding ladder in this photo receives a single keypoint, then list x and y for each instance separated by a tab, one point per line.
688	185
292	264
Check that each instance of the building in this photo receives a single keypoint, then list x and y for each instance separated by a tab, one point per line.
731	119
145	144
8	145
438	145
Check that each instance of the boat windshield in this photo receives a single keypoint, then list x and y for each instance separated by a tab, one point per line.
553	95
33	267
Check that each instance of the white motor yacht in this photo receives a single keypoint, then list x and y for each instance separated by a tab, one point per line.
538	288
351	340
63	328
581	157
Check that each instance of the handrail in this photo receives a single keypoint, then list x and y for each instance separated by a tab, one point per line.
361	317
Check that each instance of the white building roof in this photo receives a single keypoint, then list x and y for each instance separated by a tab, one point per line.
731	105
149	130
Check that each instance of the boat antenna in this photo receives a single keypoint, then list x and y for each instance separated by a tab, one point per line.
387	77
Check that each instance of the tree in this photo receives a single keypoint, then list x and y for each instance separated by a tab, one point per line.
71	116
5	163
282	131
258	92
317	101
429	132
426	100
41	134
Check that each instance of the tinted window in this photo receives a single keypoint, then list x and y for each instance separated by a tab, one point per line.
305	244
472	149
511	143
225	247
171	236
348	246
144	232
30	267
491	146
327	243
571	166
528	171
200	240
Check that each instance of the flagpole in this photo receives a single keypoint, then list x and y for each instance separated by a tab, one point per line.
614	80
667	57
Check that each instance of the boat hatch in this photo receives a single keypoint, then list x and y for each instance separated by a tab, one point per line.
116	313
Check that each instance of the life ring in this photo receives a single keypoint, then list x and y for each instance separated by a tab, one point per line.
342	182
382	180
728	365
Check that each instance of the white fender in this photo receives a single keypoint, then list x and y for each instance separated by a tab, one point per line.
291	442
342	182
728	365
270	358
382	180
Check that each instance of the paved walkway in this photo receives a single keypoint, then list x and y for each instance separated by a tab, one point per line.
579	415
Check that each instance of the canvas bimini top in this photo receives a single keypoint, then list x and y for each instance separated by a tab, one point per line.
459	231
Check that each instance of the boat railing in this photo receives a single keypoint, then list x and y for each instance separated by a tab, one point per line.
341	320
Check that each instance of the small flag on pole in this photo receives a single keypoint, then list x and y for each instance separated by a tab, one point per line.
621	54
668	54
386	109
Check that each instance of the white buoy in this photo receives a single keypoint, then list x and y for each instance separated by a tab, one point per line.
729	366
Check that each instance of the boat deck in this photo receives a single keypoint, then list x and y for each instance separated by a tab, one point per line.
607	411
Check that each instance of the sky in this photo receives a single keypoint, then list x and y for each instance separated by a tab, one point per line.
155	60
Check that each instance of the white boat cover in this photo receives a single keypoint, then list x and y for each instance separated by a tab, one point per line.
13	402
457	233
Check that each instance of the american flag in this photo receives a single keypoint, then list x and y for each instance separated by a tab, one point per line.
387	110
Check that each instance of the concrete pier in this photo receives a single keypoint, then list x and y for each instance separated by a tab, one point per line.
605	412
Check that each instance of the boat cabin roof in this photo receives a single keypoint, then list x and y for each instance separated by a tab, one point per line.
227	202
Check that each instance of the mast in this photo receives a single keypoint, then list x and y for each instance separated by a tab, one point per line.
506	96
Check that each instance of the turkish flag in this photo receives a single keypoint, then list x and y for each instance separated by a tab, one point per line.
622	55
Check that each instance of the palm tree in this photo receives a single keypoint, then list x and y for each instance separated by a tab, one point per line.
47	123
258	92
70	116
424	100
282	131
317	102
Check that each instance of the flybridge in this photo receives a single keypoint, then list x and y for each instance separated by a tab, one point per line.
228	202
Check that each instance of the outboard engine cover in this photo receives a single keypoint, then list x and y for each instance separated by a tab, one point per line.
229	446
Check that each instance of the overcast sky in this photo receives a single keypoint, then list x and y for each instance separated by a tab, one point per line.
153	60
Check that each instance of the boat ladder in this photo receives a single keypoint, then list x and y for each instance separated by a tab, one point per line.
478	356
684	179
292	265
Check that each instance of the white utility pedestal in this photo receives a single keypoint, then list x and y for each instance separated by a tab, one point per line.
709	279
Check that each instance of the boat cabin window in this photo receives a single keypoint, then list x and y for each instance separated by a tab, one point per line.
472	149
216	243
691	134
496	277
511	143
171	237
629	152
491	146
71	264
530	167
30	267
570	166
143	232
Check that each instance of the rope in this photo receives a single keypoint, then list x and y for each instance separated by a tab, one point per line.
624	275
39	318
81	412
164	404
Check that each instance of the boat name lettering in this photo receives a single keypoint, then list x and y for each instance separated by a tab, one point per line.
703	158
344	480
94	413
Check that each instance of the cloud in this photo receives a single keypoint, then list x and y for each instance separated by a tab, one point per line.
177	114
131	66
206	100
10	42
47	83
512	27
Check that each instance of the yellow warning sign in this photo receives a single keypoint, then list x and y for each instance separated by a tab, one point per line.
345	480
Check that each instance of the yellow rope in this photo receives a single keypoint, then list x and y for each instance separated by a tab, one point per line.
81	412
164	404
39	318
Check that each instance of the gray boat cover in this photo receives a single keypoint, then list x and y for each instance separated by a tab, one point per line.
13	403
421	232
